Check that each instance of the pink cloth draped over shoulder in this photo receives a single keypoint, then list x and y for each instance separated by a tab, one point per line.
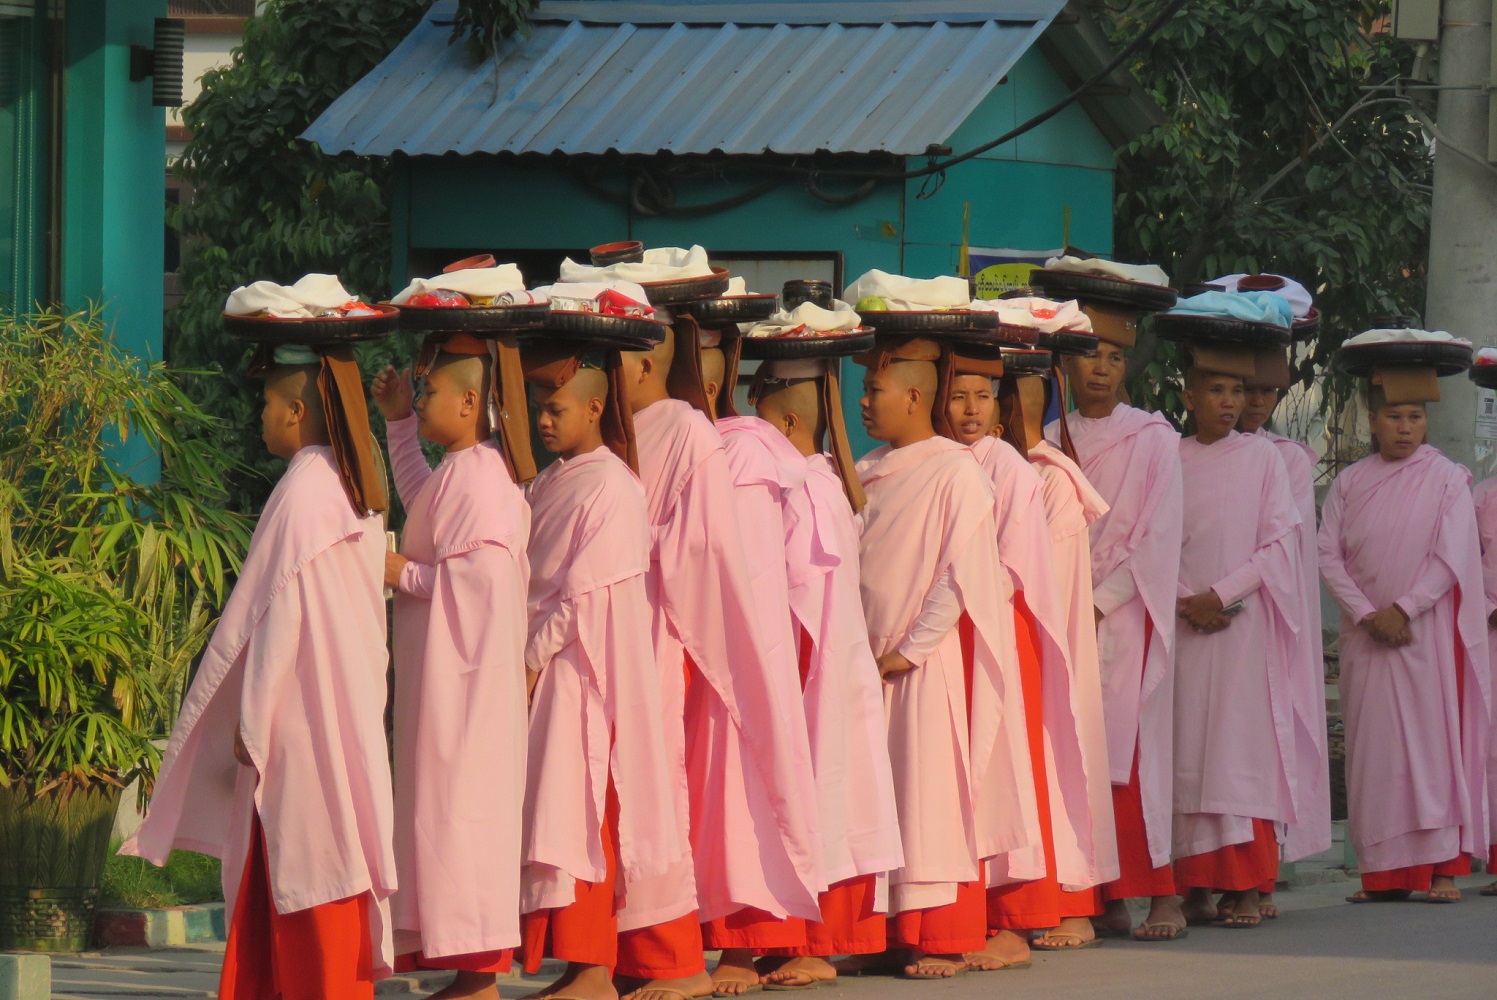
596	713
1405	532
1075	764
1234	713
857	820
929	522
297	664
1310	833
1071	504
1132	458
744	749
459	643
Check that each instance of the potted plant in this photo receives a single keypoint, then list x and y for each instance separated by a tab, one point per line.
111	571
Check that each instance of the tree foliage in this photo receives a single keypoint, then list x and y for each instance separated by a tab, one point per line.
108	586
1286	148
267	204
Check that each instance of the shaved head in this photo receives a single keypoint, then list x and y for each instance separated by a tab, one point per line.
714	365
298	383
467	372
645	373
795	410
919	375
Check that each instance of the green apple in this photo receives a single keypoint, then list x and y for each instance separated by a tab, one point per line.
871	303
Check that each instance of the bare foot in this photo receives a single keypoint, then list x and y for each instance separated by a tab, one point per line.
1115	920
1165	922
1004	950
1442	890
690	987
1244	911
935	967
1073	932
801	972
1267	908
580	982
735	974
1379	896
1224	905
1198	908
470	986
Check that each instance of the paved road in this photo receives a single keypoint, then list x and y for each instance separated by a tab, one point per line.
1321	948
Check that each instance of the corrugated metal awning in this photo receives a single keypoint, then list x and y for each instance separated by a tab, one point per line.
782	76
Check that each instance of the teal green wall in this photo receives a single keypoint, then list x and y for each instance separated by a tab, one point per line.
113	190
1018	194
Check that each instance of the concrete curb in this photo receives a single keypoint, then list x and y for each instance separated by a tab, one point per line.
25	977
168	928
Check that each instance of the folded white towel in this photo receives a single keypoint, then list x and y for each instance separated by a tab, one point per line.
808	315
1035	312
474	282
910	294
1148	274
1404	337
313	295
660	264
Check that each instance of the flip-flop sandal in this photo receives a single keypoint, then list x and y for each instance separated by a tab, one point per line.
1180	934
1379	896
666	989
1040	943
814	984
748	987
957	969
1240	922
1431	898
1002	966
1488	890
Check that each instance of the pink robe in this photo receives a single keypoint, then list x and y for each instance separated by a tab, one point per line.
459	643
297	664
1234	713
1075	765
1405	532
1310	833
962	776
1484	495
1133	459
751	802
1071	505
844	697
596	713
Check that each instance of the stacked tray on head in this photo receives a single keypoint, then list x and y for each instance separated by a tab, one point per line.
318	331
1226	331
1445	357
810	345
480	321
728	310
625	333
1057	284
1027	361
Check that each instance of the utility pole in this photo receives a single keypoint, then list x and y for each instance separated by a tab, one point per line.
1462	291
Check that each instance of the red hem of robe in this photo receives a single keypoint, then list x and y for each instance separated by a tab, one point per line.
321	953
1415	878
1081	902
1036	904
1139	877
672	950
944	930
849	925
497	962
586	931
1236	867
752	928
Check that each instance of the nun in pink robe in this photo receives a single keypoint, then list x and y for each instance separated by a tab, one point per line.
595	715
297	664
1234	715
765	469
1132	459
1418	716
1071	505
1310	833
928	565
749	797
459	643
1484	495
1075	737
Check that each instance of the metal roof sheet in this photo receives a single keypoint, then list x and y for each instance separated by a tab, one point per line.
780	76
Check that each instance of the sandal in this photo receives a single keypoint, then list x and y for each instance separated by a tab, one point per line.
1240	921
1043	942
957	968
1141	933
